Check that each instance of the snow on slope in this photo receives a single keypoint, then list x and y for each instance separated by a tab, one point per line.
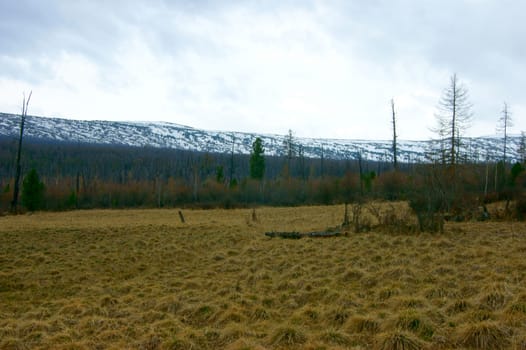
170	135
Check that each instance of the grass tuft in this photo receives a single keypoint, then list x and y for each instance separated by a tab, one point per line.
411	321
519	343
178	344
386	293
363	325
244	344
458	306
338	316
484	335
288	336
336	338
493	300
398	340
152	342
517	308
260	314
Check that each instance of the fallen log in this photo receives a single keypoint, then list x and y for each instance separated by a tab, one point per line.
289	235
323	234
298	235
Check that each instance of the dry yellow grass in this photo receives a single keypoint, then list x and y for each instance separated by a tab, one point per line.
142	279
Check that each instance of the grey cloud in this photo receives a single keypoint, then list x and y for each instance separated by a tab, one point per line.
482	40
446	32
47	29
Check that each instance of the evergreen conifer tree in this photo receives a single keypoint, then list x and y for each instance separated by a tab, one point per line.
257	160
32	191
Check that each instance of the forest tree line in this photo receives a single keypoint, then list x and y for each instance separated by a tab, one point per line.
103	176
91	175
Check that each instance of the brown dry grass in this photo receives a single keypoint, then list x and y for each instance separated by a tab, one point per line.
141	279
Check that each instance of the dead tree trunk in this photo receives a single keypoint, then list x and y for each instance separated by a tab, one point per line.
346	216
14	202
395	145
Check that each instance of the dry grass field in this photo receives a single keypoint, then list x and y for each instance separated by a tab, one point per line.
141	279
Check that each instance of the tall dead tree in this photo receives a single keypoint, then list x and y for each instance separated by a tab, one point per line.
301	156
231	180
322	170
25	104
505	122
360	169
453	118
290	150
395	145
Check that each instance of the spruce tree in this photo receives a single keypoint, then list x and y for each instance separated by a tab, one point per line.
32	191
257	160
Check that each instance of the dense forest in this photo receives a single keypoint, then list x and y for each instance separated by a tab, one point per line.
102	176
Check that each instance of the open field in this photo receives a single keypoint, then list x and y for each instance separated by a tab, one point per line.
142	279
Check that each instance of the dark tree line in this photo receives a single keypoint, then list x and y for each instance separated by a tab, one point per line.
89	175
95	176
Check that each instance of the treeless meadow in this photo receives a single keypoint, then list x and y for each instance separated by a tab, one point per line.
143	279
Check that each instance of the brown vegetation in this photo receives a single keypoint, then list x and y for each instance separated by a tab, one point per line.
143	279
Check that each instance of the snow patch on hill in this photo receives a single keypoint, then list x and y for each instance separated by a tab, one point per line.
171	135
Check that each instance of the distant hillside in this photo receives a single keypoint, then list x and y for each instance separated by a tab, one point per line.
175	136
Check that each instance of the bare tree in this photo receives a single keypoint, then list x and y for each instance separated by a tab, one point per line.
231	180
289	145
25	104
322	170
505	122
395	148
453	118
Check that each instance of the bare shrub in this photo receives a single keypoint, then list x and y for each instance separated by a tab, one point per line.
391	219
360	222
427	212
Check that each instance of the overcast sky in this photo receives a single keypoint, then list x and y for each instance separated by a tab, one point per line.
320	68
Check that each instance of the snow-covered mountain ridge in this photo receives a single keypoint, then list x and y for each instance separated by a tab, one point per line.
170	135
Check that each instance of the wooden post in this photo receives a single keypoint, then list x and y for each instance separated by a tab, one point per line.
181	216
